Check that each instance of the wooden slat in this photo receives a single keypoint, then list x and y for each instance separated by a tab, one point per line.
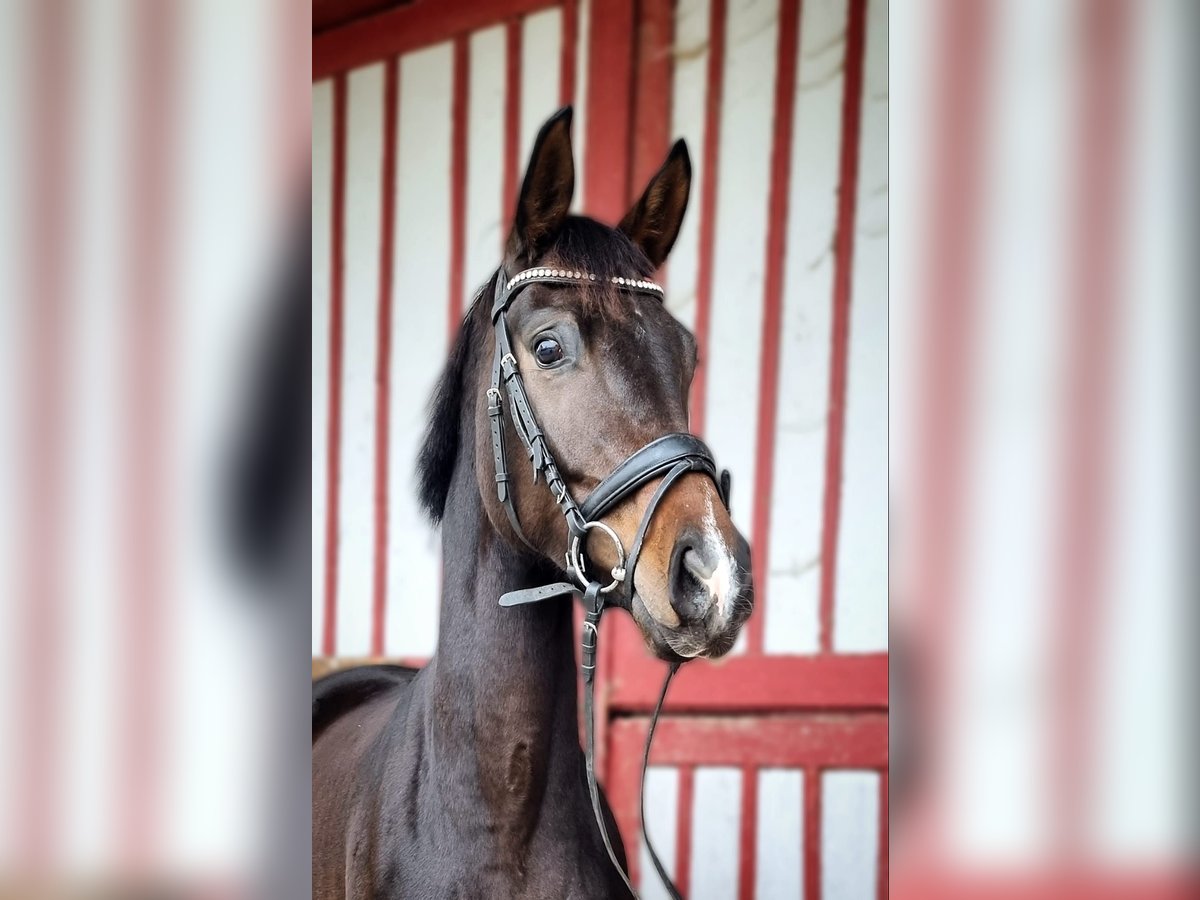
391	95
843	268
460	114
683	832
794	741
753	683
610	83
812	832
748	832
336	328
881	890
772	330
330	14
948	320
44	420
1084	529
652	99
708	208
512	122
570	49
407	28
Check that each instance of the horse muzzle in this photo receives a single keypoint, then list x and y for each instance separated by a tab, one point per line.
710	593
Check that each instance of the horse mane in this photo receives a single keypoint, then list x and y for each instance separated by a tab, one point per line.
439	450
581	243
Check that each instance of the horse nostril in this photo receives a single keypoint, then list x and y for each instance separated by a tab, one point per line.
690	572
701	569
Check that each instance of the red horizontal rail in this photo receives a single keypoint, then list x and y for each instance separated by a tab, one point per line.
407	28
755	684
858	741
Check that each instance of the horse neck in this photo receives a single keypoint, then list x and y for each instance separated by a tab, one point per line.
504	678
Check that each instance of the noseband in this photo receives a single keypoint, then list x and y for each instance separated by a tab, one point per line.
668	458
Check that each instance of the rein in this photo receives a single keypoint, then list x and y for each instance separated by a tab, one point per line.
669	457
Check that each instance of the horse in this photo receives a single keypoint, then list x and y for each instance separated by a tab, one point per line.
466	778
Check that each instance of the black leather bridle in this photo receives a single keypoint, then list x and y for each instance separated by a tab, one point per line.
669	458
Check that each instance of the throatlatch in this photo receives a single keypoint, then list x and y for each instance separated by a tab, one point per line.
669	457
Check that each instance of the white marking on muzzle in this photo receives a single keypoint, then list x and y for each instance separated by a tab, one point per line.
722	585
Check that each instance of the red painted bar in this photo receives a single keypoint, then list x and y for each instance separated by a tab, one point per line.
408	27
708	207
683	833
1086	461
652	98
754	683
512	122
570	47
748	833
334	448
847	741
43	434
772	326
383	361
610	86
948	316
842	287
881	890
147	382
812	832
460	116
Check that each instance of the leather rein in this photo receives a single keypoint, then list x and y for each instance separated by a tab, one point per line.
669	458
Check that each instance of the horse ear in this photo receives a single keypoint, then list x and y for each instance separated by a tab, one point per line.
653	223
547	190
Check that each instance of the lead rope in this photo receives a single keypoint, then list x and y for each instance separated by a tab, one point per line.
594	605
671	889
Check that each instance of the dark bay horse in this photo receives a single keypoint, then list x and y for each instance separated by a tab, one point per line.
466	778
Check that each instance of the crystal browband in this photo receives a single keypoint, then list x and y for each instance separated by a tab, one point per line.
637	284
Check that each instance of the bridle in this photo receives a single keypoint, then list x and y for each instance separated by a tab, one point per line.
669	458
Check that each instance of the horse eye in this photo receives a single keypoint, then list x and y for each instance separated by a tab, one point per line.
547	352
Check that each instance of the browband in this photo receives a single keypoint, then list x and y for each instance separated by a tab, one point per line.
507	290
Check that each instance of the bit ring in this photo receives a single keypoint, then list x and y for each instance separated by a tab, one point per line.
576	559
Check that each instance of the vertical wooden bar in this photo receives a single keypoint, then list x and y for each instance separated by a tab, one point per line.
881	890
683	825
460	116
652	99
812	833
948	323
45	416
610	86
512	122
748	834
843	269
570	49
383	360
144	572
1086	457
334	451
708	207
772	331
